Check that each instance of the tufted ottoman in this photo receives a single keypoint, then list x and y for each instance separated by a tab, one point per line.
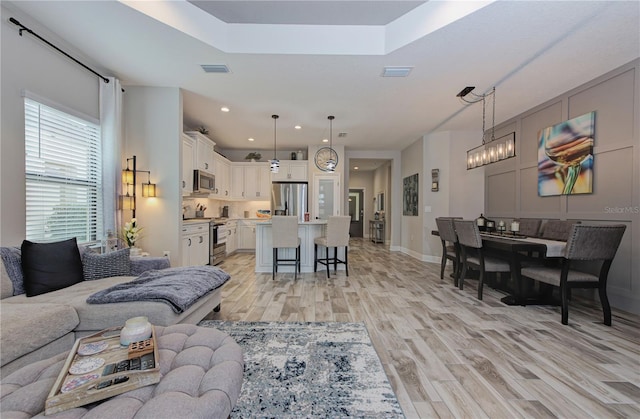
202	371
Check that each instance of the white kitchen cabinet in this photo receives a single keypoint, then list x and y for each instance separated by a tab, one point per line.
195	244
188	157
291	171
232	236
204	151
246	235
250	181
222	172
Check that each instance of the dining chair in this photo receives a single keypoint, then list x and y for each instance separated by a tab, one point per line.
529	227
584	243
473	256
449	251
337	235
557	229
285	235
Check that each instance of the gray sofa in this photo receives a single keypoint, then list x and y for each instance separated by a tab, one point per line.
38	327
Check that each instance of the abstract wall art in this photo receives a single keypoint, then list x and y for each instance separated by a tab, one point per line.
410	195
565	157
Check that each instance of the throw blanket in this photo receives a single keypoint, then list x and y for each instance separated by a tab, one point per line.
178	287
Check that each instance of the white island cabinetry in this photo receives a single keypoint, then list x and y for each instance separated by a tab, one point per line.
307	231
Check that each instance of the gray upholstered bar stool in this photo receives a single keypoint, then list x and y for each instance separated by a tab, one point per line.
284	232
337	236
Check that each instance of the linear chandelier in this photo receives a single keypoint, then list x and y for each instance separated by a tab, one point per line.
492	150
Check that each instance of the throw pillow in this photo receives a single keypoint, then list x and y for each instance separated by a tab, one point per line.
50	266
97	266
13	264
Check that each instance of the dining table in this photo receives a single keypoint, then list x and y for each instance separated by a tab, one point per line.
516	249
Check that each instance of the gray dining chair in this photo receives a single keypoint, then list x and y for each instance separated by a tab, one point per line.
584	243
337	235
529	227
450	248
472	255
557	229
285	235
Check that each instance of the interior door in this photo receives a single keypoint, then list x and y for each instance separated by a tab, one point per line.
326	195
356	211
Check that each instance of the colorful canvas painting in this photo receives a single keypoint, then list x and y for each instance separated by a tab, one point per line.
565	157
410	195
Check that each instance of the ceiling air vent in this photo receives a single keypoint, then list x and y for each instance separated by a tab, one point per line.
215	68
342	134
396	71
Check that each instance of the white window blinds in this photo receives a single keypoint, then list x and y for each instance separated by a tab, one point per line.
63	168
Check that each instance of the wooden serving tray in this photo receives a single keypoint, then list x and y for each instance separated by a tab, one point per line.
86	393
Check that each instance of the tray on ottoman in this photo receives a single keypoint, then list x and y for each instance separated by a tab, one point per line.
98	367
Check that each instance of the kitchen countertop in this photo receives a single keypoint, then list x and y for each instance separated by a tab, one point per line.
268	222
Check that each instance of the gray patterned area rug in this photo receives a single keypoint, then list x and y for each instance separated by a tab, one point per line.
321	369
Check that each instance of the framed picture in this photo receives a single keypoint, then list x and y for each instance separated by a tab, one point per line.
410	195
565	157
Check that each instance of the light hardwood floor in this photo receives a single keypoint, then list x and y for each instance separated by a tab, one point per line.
448	354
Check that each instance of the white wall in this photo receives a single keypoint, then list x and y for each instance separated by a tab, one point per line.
29	64
153	123
412	163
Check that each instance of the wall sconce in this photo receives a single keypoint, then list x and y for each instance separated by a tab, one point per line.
435	179
127	201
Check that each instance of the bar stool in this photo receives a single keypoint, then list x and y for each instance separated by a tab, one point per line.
284	232
337	236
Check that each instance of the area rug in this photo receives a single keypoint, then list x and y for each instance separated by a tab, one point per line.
309	370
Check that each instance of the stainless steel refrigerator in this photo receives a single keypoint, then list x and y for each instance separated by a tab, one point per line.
289	198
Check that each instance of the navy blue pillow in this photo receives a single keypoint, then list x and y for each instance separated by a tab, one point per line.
50	266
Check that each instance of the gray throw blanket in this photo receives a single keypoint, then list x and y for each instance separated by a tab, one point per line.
178	287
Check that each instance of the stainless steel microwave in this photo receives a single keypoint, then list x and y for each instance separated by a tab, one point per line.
203	182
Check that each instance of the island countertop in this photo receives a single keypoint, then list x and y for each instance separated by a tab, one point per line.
312	222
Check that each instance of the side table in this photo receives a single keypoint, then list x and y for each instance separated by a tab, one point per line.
376	231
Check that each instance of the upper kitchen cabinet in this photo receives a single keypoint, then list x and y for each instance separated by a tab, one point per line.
188	157
291	171
250	181
204	151
222	172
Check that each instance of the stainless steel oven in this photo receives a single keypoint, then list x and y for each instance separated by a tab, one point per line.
217	242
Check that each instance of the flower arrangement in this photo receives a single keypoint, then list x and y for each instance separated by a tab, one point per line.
131	232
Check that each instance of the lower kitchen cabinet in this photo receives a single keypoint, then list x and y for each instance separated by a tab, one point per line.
246	235
232	236
195	244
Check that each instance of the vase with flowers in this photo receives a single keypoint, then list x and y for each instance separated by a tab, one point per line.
131	235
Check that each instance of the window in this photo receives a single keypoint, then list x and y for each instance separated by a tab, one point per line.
63	172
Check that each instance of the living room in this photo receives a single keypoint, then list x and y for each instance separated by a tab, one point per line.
31	66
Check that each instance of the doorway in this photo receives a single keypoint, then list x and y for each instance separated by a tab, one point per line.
356	211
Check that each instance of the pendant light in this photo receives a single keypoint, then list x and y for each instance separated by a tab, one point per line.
331	162
275	163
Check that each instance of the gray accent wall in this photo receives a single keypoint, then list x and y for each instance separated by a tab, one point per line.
511	186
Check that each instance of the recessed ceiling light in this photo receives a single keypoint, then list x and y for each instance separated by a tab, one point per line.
298	127
396	71
355	168
325	140
250	139
224	109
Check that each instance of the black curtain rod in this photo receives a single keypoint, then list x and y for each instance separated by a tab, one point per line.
24	28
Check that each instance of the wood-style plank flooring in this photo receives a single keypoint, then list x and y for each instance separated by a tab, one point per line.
448	354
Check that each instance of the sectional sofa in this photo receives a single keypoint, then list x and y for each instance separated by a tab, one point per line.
38	327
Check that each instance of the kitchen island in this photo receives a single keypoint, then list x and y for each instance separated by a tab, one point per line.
307	231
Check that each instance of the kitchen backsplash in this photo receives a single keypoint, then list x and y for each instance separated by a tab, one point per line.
214	207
